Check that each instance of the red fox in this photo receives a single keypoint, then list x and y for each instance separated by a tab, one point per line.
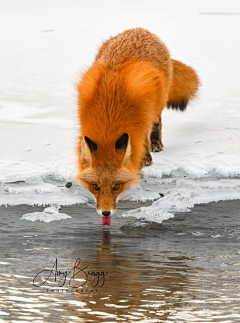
121	98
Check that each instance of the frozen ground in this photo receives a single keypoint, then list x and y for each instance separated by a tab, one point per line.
44	48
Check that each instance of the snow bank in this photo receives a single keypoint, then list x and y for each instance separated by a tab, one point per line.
41	62
180	186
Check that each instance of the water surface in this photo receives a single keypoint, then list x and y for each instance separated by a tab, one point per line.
185	270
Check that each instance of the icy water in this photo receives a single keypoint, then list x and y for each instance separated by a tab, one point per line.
185	270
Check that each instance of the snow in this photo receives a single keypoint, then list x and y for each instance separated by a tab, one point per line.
45	47
49	214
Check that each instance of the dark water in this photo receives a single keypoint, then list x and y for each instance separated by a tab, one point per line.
185	270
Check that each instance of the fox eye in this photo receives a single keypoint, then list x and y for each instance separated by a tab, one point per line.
95	187
116	187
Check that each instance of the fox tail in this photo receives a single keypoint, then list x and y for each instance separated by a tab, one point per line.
184	86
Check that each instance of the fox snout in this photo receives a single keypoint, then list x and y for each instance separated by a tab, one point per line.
106	216
106	212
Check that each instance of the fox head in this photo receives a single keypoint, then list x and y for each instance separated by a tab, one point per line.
105	170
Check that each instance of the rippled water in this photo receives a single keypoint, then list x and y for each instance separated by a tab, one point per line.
185	270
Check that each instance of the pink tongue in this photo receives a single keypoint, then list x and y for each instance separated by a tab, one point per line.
106	220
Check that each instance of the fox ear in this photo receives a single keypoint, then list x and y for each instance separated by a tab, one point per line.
122	141
92	146
88	146
123	145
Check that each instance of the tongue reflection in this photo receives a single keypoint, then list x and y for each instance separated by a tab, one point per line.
106	220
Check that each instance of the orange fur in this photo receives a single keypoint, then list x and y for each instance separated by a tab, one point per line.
124	92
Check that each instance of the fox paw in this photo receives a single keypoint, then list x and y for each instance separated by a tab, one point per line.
148	161
156	146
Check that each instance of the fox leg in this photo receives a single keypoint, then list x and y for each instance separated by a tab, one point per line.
156	136
147	158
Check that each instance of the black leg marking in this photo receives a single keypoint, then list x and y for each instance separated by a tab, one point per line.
156	144
147	158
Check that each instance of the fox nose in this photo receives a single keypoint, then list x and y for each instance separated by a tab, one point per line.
106	213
